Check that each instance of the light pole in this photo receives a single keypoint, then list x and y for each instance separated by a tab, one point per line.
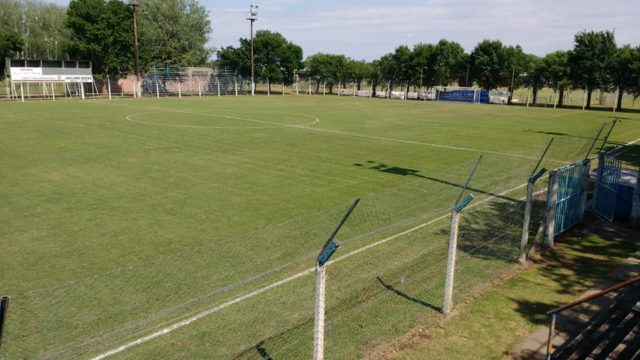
134	7
466	81
253	16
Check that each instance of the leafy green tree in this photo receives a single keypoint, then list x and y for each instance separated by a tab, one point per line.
10	44
174	32
235	58
328	67
516	63
100	31
39	24
446	60
388	69
592	60
534	77
556	72
275	57
422	64
634	88
360	70
489	65
402	58
623	76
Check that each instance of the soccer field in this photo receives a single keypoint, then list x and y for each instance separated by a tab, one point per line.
122	218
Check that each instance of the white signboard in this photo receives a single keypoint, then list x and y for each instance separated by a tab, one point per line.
27	74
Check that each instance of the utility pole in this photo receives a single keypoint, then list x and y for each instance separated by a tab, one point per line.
134	7
466	81
253	16
513	77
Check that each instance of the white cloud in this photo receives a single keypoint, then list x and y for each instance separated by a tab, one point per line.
368	30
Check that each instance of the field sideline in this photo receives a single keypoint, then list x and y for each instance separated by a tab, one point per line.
123	217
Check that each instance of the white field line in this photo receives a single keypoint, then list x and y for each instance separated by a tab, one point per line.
458	148
343	133
271	123
263	289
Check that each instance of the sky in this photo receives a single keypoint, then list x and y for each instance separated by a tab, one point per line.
368	29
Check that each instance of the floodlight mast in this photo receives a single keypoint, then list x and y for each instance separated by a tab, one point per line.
134	7
253	16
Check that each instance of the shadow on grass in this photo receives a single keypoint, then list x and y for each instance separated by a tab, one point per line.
262	351
396	170
493	231
583	257
629	154
535	311
555	133
407	297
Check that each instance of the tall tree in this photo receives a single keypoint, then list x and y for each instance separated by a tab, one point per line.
174	32
592	59
534	77
623	76
422	64
328	67
405	72
101	32
275	57
10	44
235	58
634	89
516	63
446	61
39	24
388	69
489	66
360	70
557	73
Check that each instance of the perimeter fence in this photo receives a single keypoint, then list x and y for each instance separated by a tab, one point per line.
251	294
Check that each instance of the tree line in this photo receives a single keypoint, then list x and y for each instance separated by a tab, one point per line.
171	32
595	62
175	32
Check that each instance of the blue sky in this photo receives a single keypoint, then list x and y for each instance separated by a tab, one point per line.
367	29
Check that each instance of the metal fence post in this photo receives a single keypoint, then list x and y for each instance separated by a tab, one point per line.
451	263
525	224
108	86
318	323
328	249
585	182
4	309
598	179
552	198
552	330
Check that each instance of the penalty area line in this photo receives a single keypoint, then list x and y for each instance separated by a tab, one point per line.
278	283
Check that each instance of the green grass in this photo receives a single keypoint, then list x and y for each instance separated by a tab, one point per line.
121	217
492	325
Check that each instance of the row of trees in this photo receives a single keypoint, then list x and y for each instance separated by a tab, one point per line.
40	26
275	58
170	32
595	62
175	32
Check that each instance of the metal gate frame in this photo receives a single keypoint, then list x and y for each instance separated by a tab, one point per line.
566	198
604	199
